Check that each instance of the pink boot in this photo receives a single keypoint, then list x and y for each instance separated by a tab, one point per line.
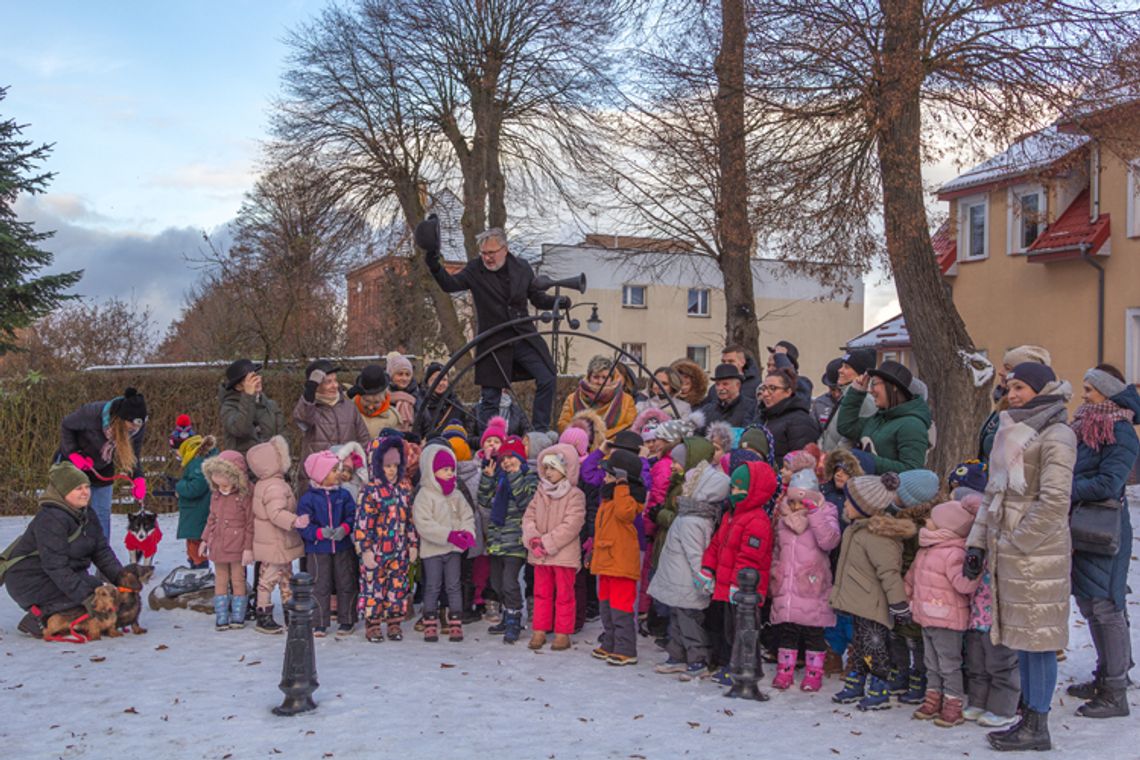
813	671
785	669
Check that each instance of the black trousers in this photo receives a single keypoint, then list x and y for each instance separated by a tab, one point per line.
791	635
870	647
530	361
505	581
334	573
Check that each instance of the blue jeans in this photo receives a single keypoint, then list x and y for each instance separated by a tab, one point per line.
1038	678
101	506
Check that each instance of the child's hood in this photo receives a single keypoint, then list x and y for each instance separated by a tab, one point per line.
428	480
230	464
383	447
568	454
269	459
898	528
596	424
706	482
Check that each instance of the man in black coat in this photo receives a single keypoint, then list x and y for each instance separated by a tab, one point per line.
738	356
500	285
729	405
58	548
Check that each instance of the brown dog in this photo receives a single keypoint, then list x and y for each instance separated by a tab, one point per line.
130	585
101	610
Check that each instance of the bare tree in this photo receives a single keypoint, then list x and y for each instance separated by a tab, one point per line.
855	95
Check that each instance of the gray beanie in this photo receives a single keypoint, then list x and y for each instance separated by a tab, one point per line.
1104	382
1027	353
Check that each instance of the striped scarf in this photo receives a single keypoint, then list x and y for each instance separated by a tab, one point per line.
1093	423
584	399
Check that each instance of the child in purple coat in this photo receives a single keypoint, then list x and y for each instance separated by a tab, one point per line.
329	556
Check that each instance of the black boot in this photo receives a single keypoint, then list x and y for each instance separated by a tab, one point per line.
31	625
1032	733
469	614
265	621
1086	690
1107	703
512	621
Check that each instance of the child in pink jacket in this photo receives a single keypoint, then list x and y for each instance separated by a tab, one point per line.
939	596
807	529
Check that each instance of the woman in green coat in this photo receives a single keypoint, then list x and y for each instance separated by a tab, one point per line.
898	434
194	496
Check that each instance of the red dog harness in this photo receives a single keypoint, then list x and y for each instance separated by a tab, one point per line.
148	546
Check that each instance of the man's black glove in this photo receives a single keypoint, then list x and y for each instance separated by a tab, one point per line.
653	512
426	236
975	563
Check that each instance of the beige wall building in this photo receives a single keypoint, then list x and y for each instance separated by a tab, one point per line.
663	306
1030	234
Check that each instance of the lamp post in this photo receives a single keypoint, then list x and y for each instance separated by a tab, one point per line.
299	670
593	323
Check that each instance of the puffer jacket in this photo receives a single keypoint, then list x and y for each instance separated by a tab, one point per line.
194	494
436	515
248	420
869	576
323	426
679	563
616	551
791	424
801	567
506	540
744	538
274	504
556	520
1022	525
229	525
938	591
327	508
82	432
898	437
1101	475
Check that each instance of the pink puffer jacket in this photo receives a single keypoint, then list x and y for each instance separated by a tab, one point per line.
939	593
801	570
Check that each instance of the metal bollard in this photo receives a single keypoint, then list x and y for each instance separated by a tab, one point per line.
743	664
299	671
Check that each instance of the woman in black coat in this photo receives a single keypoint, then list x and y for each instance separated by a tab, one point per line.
58	548
786	414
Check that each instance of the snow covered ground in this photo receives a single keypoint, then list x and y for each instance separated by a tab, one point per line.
185	691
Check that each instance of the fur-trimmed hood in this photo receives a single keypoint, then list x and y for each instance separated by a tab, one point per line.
899	528
596	424
230	464
646	416
568	454
269	459
846	458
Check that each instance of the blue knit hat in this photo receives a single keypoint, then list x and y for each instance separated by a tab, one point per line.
972	474
917	487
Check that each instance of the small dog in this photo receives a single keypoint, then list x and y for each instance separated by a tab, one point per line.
101	611
143	535
130	585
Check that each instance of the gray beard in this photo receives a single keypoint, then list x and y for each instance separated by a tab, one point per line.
495	269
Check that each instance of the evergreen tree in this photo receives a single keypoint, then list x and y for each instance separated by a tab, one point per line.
24	297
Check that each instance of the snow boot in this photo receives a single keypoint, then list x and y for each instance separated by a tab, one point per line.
720	676
621	659
785	669
31	625
493	615
561	642
671	666
1032	733
813	671
695	670
951	714
221	612
395	633
898	681
878	696
916	691
455	629
853	688
1108	703
431	626
599	653
537	640
512	626
237	612
1086	690
931	706
265	621
374	631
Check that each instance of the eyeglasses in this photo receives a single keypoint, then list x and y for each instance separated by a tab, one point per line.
493	251
770	388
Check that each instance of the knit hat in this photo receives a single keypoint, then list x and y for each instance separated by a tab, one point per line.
674	431
860	360
721	434
392	455
651	415
972	474
319	465
1033	374
461	448
539	440
799	460
951	515
513	446
236	458
916	487
131	406
741	478
757	438
866	460
872	494
430	370
66	477
453	429
1104	382
1023	354
395	362
496	428
649	431
442	459
183	429
804	479
555	461
576	437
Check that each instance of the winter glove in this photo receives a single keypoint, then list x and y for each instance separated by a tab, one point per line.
975	563
138	488
900	613
705	581
368	559
469	538
81	462
302	521
426	236
653	512
247	557
340	532
537	548
588	546
457	539
316	377
608	490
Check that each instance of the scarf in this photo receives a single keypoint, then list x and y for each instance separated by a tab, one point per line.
1093	423
584	395
797	520
405	408
383	407
928	537
554	490
328	399
503	494
1017	429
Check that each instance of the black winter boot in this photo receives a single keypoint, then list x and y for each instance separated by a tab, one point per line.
512	623
1107	703
31	625
1032	733
1086	690
265	621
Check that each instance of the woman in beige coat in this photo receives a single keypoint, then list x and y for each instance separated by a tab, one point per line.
276	542
1022	533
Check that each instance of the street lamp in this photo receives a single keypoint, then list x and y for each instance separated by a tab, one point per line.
594	323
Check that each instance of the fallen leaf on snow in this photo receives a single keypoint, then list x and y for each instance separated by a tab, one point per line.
446	665
161	647
98	658
131	710
693	724
638	717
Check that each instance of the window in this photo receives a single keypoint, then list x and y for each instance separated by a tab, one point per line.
698	355
973	242
1132	345
633	296
1134	198
636	350
698	302
1026	219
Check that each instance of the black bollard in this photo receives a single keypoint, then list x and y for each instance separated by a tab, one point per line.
743	663
299	671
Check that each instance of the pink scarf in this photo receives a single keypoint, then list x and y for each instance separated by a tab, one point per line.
555	490
797	521
1093	423
928	537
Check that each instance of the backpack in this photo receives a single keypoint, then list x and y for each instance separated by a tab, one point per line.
7	561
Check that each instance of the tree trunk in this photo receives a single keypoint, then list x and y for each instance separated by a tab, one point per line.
937	331
734	232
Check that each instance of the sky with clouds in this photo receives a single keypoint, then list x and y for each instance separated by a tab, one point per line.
156	111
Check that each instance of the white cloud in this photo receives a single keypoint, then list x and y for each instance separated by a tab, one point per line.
235	177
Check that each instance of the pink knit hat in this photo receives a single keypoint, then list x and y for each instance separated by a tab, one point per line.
496	428
799	460
319	465
951	515
576	437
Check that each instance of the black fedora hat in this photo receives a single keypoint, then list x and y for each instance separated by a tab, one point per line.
238	370
371	380
626	461
727	372
831	375
324	365
895	374
627	440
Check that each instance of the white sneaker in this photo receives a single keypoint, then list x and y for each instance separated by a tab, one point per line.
989	720
973	713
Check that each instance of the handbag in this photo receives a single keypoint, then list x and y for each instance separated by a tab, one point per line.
1095	526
